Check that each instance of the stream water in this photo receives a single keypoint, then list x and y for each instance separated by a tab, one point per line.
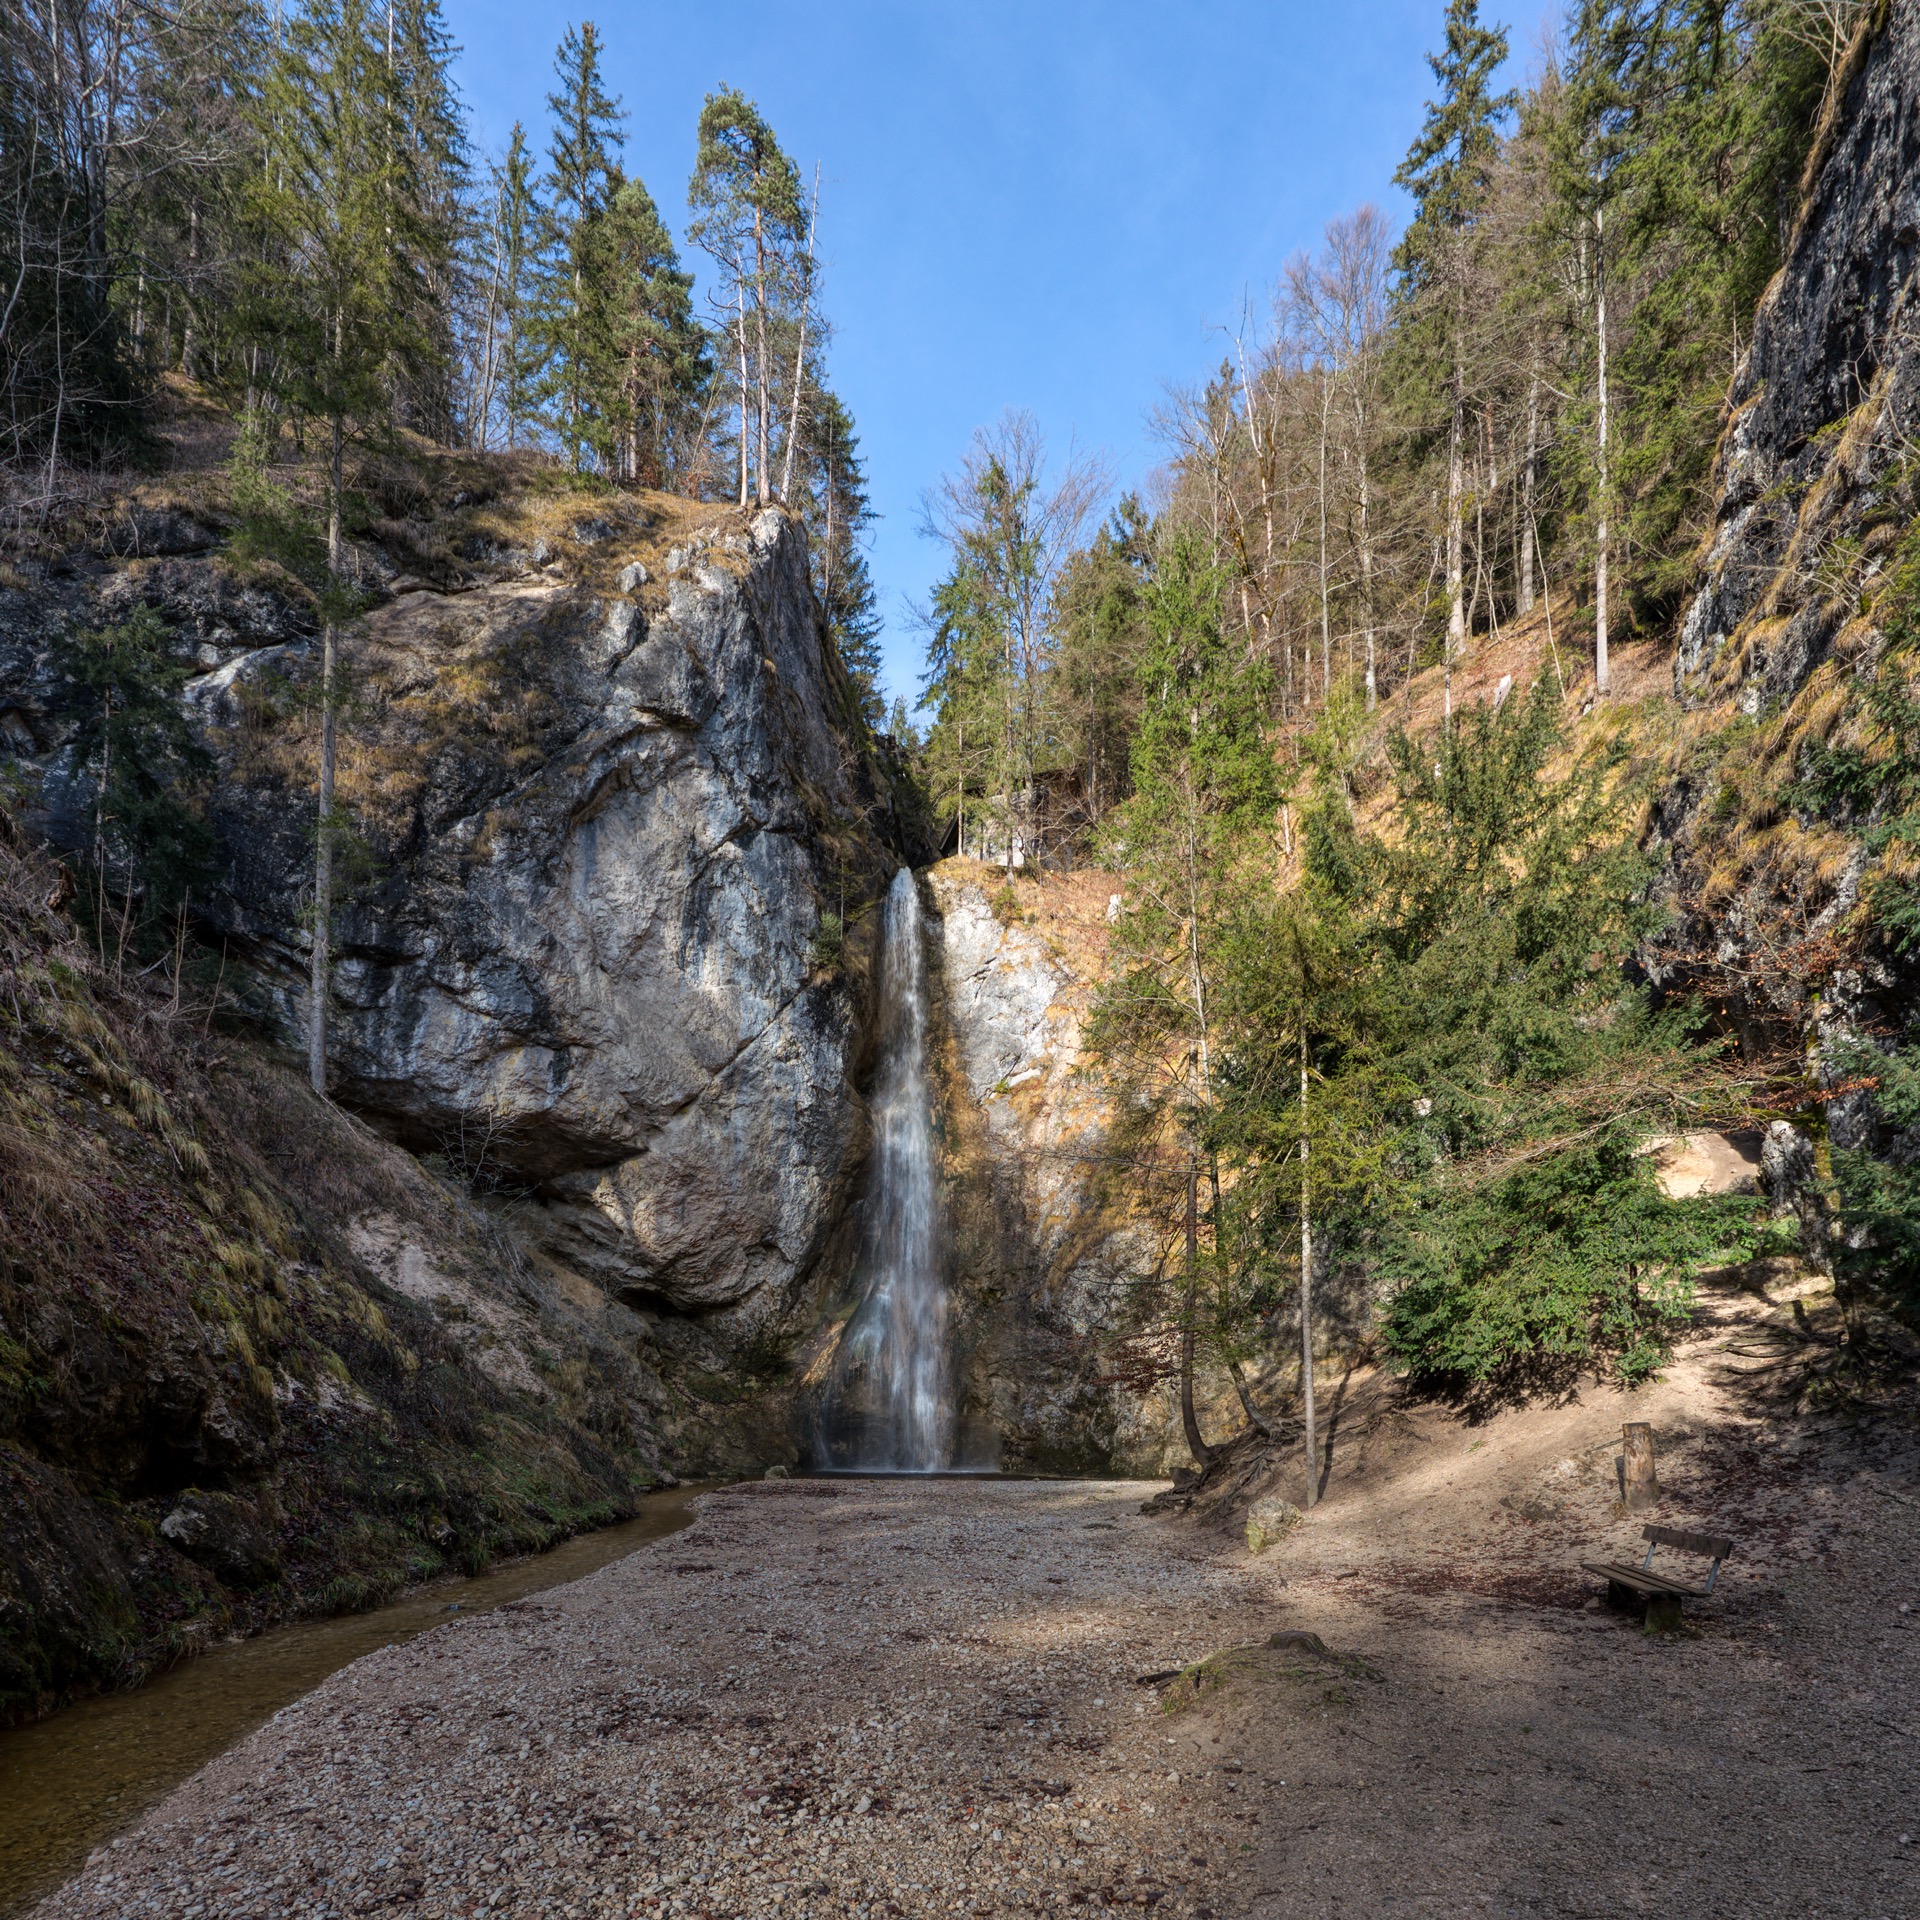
889	1403
75	1780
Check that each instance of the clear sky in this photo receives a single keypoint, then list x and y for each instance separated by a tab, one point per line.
1048	204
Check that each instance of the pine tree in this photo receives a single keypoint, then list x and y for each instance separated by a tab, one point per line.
838	513
580	185
343	200
1009	527
648	354
438	166
1676	141
137	746
507	348
1204	794
1101	614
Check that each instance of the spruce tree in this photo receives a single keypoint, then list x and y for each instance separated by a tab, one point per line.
1204	794
1100	610
579	184
1677	136
509	350
1447	171
838	513
437	172
750	217
648	355
342	197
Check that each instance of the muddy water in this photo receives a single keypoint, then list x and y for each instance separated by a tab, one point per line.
68	1783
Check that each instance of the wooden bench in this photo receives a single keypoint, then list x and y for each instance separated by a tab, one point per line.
1663	1596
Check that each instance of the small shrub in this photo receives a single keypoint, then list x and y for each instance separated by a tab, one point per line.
829	944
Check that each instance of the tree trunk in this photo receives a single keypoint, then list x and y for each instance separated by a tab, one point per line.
1600	555
1456	535
1189	1419
764	409
1255	1418
1366	568
1526	491
800	351
189	354
746	392
1306	1288
320	983
1326	608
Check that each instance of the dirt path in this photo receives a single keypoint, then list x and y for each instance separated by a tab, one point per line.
862	1698
1504	1745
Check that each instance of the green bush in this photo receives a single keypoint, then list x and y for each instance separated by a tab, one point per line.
1573	1258
828	945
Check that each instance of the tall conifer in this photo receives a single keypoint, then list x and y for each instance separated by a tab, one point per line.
648	355
580	184
1447	170
343	198
750	216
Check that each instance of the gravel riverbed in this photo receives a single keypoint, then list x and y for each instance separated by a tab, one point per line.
862	1697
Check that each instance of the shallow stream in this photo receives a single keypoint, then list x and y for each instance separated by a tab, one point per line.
70	1782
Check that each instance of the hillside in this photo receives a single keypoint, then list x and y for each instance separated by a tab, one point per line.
254	1360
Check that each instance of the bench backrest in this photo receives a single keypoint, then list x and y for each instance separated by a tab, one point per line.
1708	1544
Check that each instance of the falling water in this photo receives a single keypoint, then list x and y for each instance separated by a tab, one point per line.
890	1401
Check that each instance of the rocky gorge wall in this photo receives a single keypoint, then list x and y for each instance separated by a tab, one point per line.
1049	1254
1780	883
599	778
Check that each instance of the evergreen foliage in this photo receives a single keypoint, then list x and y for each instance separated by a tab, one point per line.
1449	167
838	513
750	217
137	749
580	186
1526	1229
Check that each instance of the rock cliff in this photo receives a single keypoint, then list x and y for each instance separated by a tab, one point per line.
601	1046
1787	882
600	777
1048	1252
1814	471
596	794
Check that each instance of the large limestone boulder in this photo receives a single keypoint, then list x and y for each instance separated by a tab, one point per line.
585	966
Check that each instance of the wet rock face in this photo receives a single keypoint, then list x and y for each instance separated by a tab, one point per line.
1046	1259
583	965
1828	393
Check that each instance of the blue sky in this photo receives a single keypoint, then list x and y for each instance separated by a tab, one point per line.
1051	205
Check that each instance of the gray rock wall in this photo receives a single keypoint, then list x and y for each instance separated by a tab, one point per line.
1049	1256
1827	401
597	788
599	961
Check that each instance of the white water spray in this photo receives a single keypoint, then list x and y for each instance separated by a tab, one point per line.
890	1403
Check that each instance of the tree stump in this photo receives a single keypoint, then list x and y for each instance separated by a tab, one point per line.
1639	1484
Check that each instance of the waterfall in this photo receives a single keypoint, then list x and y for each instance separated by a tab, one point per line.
890	1398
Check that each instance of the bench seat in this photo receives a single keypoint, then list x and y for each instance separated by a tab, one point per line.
1639	1579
